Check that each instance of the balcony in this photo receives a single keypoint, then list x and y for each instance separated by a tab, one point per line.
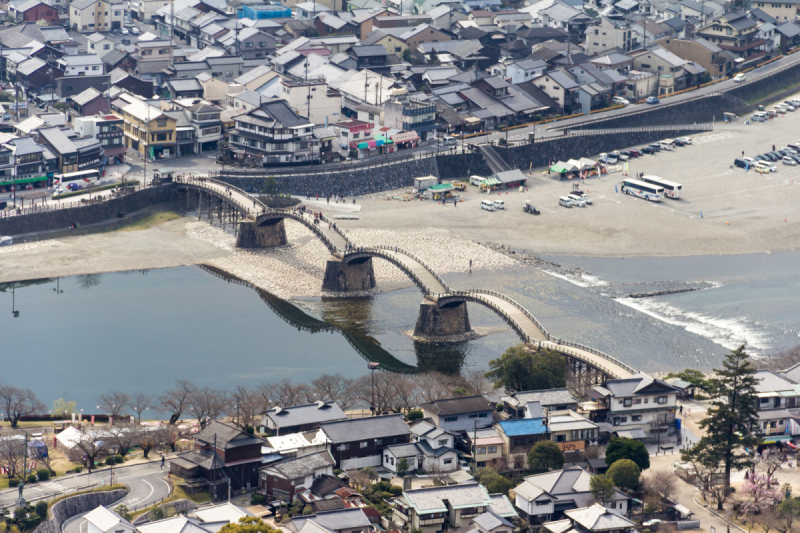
401	514
432	521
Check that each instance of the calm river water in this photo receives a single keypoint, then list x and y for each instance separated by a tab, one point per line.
143	330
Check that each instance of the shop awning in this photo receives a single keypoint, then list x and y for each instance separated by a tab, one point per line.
636	433
405	136
558	169
383	139
774	439
472	120
491	181
23	180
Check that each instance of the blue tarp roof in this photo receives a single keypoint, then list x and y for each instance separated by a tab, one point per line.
523	426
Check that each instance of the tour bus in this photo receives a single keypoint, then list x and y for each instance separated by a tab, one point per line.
642	189
671	189
76	180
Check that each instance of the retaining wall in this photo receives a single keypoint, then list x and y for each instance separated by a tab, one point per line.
561	149
76	505
88	214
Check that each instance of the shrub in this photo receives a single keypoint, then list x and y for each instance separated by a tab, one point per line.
386	495
396	490
20	513
13	482
257	499
414	414
41	509
499	407
336	472
118	459
31	478
157	513
109	460
77	469
44	474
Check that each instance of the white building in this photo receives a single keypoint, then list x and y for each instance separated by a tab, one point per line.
312	99
298	444
525	70
420	455
103	520
82	65
90	16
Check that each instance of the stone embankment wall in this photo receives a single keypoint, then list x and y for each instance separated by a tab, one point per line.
76	505
178	506
561	149
88	214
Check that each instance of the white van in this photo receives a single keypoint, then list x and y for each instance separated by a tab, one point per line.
761	116
499	204
666	144
449	141
565	201
488	205
577	201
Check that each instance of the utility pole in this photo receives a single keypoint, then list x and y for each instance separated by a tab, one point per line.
474	446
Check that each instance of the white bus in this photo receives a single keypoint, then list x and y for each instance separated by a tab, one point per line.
76	180
671	189
642	190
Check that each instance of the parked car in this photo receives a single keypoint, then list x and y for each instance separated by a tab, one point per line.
678	142
761	158
634	152
652	100
135	31
739	78
125	31
749	160
788	161
581	194
630	154
789	149
648	150
620	100
795	157
655	146
619	155
686	140
741	163
607	159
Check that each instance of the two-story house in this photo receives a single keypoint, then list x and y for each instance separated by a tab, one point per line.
611	34
205	120
108	130
635	407
27	157
783	10
669	68
777	395
435	436
285	479
373	57
74	153
149	130
151	57
489	448
360	442
545	497
426	510
419	455
516	404
571	431
227	457
81	65
519	436
717	62
352	520
90	16
460	414
564	90
410	114
301	418
592	519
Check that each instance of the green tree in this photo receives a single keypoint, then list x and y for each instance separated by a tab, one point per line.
407	55
41	509
621	448
494	481
695	377
402	465
545	456
248	524
789	513
414	414
625	474
519	369
602	488
731	419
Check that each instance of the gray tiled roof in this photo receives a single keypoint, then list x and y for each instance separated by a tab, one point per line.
635	385
490	521
60	142
335	520
224	435
545	397
454	406
501	506
433	499
769	381
376	427
301	415
190	84
302	466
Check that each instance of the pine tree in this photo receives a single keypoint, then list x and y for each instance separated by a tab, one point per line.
731	421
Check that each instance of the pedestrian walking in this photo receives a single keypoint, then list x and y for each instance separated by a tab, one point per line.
470	264
162	461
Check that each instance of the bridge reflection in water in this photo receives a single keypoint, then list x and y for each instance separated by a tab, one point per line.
348	321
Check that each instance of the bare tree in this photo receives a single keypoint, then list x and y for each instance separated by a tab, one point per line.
150	437
17	403
91	444
710	482
284	393
208	404
12	452
661	483
768	519
114	402
435	386
475	382
140	401
247	405
335	388
406	394
122	439
382	391
176	400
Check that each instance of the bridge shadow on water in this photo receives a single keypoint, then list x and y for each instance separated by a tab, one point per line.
350	319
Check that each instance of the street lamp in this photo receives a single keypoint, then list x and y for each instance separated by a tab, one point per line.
14	311
372	368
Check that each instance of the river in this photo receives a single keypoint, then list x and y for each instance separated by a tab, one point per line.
76	337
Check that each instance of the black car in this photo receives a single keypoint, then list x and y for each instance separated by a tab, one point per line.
628	153
795	157
648	150
769	156
679	142
655	147
741	163
777	155
762	158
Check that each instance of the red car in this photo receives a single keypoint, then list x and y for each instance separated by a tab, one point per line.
634	152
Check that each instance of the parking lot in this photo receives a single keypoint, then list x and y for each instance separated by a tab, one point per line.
723	209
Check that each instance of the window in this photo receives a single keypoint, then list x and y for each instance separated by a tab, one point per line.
378	442
561	438
447	418
163	51
442	442
637	401
229	73
95	67
474	415
661	399
341	447
363	444
543	502
636	418
482	415
627	402
262	44
613	505
448	461
519	441
117	13
482	450
248	45
106	47
481	464
161	123
161	137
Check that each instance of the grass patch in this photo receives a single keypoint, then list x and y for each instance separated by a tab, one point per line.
151	221
25	424
97	189
3	482
178	493
767	93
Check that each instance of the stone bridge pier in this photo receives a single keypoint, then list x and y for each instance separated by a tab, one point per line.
449	320
268	234
348	276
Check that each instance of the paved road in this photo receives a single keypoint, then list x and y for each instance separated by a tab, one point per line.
146	483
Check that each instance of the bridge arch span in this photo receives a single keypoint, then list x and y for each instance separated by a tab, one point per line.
422	275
